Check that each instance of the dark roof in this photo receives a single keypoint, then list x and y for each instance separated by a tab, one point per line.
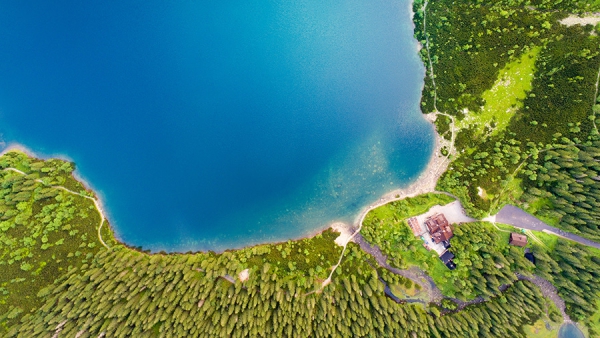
517	239
447	256
530	257
450	265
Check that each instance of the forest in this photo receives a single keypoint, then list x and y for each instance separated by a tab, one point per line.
515	91
528	139
70	284
480	49
565	186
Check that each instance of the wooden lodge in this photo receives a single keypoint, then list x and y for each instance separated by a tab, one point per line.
517	239
439	228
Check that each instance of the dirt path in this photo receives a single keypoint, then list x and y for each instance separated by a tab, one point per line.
596	100
96	204
347	239
414	274
432	75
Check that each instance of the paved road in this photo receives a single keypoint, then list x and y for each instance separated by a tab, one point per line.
508	215
521	219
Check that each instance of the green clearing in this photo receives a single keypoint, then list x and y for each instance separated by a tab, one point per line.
506	95
551	316
401	291
511	193
410	207
539	206
402	287
539	330
548	239
430	263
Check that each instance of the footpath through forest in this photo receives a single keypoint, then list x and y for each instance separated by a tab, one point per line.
96	204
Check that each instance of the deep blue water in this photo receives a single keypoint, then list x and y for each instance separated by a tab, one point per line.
569	330
218	124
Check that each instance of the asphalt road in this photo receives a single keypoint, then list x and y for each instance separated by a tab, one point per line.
516	217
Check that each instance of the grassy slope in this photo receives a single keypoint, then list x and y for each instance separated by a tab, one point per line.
475	48
505	96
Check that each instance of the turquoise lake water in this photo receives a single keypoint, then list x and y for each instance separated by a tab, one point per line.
214	125
569	330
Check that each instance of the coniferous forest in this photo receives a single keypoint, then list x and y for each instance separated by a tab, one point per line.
63	280
515	94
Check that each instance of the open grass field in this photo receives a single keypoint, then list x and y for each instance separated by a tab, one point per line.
539	330
429	261
506	95
410	207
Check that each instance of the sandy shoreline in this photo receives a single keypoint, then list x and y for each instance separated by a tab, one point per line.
18	147
573	20
425	183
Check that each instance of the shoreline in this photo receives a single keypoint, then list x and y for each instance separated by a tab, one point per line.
424	183
98	201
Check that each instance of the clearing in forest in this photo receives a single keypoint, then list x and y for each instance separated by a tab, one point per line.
506	95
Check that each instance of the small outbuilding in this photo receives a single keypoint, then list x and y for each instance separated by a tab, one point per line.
447	256
530	257
517	239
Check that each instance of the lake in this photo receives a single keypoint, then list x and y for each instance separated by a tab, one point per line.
216	125
569	330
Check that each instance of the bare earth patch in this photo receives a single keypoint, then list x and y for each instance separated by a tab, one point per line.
573	20
453	212
244	275
345	233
